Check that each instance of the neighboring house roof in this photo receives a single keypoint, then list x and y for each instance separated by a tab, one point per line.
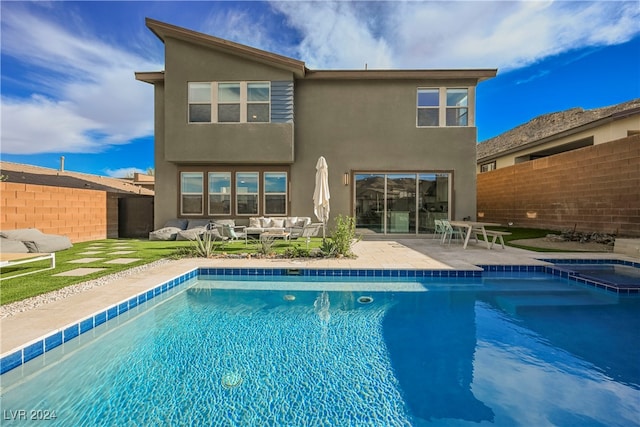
28	174
552	126
298	68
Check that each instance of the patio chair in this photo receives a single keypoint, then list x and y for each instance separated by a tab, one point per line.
439	229
228	231
451	232
311	230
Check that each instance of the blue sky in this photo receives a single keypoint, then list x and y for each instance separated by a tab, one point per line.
68	86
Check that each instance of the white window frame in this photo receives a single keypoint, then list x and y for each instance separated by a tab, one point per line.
442	106
228	193
244	102
201	194
237	193
265	193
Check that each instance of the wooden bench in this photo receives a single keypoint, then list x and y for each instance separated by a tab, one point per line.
497	235
11	259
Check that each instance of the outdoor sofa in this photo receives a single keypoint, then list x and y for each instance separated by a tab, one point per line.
289	224
188	229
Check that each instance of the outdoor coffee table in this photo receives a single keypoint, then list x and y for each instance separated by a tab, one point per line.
284	235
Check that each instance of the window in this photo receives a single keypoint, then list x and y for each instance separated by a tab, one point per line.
428	107
258	98
230	102
219	193
488	167
457	111
199	102
247	193
275	193
191	189
443	107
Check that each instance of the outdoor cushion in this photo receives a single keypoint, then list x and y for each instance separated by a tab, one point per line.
191	233
36	241
166	233
291	221
255	223
48	243
277	222
198	223
22	234
8	246
180	223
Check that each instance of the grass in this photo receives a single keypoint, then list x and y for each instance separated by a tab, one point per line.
525	233
146	252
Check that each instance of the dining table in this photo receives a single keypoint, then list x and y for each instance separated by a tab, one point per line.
474	227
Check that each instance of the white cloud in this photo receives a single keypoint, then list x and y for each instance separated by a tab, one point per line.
458	34
87	98
123	172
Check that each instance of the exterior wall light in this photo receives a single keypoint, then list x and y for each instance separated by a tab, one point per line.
345	178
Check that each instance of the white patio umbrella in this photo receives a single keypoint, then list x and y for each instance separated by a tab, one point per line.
321	193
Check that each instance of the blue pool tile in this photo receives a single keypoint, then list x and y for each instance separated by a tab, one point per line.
10	361
53	341
100	318
149	294
71	332
32	351
86	325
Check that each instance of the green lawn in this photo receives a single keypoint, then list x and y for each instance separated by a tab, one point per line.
39	283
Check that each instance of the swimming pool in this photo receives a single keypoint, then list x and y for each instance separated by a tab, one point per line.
509	348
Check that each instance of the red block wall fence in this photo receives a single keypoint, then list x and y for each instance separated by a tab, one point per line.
79	214
594	189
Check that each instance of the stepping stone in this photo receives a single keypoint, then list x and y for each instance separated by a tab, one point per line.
90	253
85	260
121	252
80	272
123	260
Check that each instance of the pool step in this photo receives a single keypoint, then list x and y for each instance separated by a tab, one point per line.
511	304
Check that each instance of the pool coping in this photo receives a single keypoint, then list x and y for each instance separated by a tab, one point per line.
18	356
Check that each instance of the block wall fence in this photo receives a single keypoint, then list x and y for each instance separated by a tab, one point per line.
79	214
594	189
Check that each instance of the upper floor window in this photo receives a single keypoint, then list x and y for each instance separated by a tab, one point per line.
488	167
457	108
229	102
199	102
442	107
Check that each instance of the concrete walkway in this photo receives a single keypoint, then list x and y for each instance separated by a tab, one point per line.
28	326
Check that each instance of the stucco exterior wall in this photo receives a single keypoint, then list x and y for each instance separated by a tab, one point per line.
594	188
81	215
371	126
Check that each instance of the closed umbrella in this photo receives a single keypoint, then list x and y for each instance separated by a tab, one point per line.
321	193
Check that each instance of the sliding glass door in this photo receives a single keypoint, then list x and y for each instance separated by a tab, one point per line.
400	203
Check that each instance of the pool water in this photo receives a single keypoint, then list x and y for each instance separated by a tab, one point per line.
503	350
611	273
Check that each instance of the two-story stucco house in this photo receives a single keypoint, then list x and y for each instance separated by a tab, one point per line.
238	133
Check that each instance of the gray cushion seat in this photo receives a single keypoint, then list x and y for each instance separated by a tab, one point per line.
33	240
195	228
170	230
